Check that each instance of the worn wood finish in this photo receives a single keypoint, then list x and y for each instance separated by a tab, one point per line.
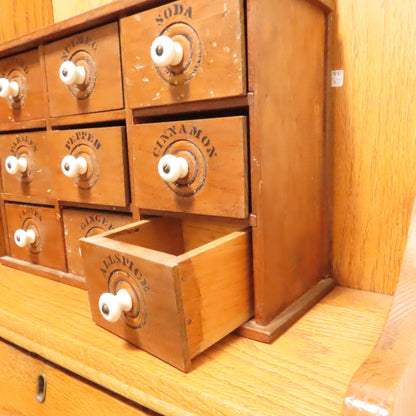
104	150
36	180
66	394
98	50
216	65
384	383
216	152
191	298
53	274
83	223
374	149
48	249
215	104
310	366
24	16
64	10
288	174
83	21
23	125
30	104
83	119
285	319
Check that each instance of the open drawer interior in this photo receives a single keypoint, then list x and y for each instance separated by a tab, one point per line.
189	280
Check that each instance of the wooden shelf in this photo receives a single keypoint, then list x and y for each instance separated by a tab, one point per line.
306	371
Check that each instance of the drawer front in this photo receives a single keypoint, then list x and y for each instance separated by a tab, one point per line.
216	160
46	247
20	386
97	51
32	176
100	154
189	282
84	223
211	37
30	101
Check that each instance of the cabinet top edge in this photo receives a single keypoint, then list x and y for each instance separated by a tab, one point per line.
80	22
93	18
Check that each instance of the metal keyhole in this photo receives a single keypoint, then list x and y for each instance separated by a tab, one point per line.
41	388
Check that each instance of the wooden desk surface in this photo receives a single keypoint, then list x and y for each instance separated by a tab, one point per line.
305	372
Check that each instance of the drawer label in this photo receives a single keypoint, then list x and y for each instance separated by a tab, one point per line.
126	265
96	221
30	212
192	132
83	137
173	10
15	64
122	272
78	42
23	141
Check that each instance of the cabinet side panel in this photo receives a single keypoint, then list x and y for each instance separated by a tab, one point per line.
286	43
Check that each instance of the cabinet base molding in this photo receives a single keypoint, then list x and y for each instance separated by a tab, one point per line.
268	333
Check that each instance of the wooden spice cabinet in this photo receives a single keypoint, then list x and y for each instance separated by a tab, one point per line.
255	93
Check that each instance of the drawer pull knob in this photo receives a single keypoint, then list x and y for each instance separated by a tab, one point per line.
165	51
73	167
8	89
23	238
111	306
172	168
72	74
15	165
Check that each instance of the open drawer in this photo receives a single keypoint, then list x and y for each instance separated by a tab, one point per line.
171	286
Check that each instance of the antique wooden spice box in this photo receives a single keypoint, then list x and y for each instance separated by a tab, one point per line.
186	138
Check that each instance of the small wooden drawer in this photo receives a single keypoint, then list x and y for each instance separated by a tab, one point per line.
22	75
36	235
189	281
25	164
211	38
84	74
100	154
215	152
30	386
79	223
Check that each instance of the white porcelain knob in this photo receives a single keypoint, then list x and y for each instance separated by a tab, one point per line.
165	51
14	165
171	168
23	238
73	167
8	89
72	74
111	306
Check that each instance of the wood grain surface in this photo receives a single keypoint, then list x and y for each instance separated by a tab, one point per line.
104	150
79	223
214	54
26	70
305	372
66	395
99	51
65	9
288	168
216	152
193	297
384	384
49	248
36	181
375	147
22	16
